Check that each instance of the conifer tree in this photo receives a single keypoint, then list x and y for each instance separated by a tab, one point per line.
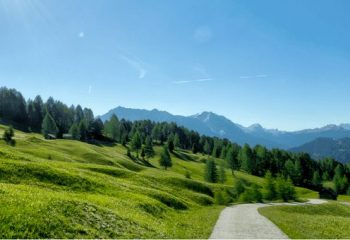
82	129
316	179
246	158
211	174
206	148
165	159
136	143
170	143
177	141
149	152
222	173
49	126
74	131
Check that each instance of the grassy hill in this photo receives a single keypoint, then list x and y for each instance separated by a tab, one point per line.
70	189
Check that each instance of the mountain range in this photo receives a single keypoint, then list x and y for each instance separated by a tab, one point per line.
212	124
338	149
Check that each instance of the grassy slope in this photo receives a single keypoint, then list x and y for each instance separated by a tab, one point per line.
331	220
66	188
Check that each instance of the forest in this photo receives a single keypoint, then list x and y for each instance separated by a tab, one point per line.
55	119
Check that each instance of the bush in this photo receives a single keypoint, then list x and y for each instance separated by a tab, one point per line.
239	187
188	174
8	135
328	193
270	187
222	198
285	189
252	194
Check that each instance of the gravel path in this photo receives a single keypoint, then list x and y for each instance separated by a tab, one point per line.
243	221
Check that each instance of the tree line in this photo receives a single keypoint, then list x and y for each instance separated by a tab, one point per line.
55	119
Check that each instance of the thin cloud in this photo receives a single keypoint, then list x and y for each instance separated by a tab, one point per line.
254	76
136	64
193	81
90	90
81	35
204	80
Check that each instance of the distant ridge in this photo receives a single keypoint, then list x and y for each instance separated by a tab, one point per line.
338	149
212	124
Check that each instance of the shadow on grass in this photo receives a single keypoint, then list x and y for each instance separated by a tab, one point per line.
142	162
183	156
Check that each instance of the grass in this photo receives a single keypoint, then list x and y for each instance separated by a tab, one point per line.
330	220
70	189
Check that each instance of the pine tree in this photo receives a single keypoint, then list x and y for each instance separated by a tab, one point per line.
143	154
170	143
246	158
222	173
316	179
49	126
136	143
112	128
194	148
340	180
74	131
82	129
206	148
149	152
177	141
165	159
211	174
231	159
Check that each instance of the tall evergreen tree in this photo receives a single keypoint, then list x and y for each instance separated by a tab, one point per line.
231	158
136	143
222	173
246	158
177	143
206	148
83	130
74	131
165	158
112	128
170	143
211	173
49	126
316	179
149	152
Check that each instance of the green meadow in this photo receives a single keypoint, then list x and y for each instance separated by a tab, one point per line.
325	221
71	189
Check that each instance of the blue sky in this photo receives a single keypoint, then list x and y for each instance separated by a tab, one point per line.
284	64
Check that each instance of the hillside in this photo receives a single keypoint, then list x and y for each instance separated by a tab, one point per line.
338	149
211	124
71	189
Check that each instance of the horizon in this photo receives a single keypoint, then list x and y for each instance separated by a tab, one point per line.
282	65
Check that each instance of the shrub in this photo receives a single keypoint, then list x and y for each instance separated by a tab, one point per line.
285	189
222	198
188	174
251	194
270	187
8	135
239	187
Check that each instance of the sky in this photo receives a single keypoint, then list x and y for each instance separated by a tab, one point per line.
283	64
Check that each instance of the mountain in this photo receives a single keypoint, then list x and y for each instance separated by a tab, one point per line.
327	147
212	124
